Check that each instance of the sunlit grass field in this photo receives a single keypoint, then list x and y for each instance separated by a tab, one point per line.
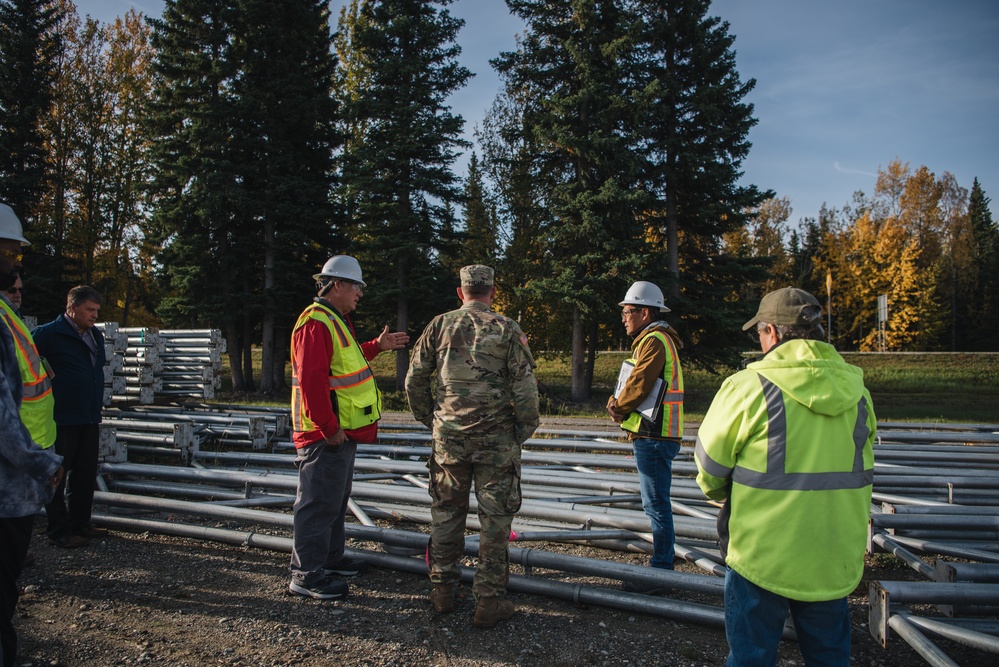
951	387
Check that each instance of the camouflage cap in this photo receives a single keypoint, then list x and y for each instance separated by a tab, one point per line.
476	274
789	306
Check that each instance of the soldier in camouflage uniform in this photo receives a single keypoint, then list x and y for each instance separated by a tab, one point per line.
486	406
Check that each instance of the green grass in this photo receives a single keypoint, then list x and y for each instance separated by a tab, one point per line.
958	387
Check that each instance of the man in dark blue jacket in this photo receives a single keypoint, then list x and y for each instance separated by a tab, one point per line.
74	349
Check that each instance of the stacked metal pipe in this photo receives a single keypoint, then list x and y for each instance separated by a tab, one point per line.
192	363
176	363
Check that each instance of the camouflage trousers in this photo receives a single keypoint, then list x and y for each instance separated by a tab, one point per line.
493	465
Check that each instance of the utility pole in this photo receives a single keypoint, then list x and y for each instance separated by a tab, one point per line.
829	307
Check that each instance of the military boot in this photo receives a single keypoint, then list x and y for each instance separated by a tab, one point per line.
442	597
492	610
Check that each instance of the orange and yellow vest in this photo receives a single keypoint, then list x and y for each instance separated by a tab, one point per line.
355	395
669	419
37	402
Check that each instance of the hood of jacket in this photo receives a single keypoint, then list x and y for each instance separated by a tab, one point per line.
813	374
659	325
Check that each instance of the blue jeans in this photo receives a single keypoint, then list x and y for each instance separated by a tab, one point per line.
655	474
754	619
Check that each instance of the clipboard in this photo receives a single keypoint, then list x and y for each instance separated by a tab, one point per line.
649	408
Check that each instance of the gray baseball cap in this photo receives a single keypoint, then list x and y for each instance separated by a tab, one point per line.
789	306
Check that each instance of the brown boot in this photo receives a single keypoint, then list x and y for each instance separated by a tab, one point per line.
490	611
442	597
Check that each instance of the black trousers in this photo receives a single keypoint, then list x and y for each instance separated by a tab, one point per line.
69	511
15	534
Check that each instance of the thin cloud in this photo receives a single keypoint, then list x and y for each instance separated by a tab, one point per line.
845	170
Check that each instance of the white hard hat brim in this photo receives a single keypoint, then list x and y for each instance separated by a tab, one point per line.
662	309
320	276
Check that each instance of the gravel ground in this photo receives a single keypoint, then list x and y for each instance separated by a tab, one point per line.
139	598
148	599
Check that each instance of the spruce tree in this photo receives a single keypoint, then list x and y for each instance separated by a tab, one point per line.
245	131
480	238
29	49
398	187
575	66
982	314
285	106
200	217
696	124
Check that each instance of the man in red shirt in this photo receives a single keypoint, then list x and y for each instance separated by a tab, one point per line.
335	404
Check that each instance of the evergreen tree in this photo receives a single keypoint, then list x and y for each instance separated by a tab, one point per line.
402	139
696	134
285	105
956	260
200	216
575	65
634	112
480	239
29	49
982	314
245	128
521	190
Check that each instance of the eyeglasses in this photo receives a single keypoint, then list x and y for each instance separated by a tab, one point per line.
627	312
754	335
15	290
353	283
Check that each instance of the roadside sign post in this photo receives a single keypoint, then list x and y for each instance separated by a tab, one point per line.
882	321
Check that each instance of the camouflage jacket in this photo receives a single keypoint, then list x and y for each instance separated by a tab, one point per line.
485	376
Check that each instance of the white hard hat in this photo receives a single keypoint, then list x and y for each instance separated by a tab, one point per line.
10	226
645	294
341	266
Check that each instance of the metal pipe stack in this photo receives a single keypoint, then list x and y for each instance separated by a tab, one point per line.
175	363
192	363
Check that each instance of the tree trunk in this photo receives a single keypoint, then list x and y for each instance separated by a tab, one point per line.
401	324
282	344
591	354
578	391
267	360
247	352
672	248
235	351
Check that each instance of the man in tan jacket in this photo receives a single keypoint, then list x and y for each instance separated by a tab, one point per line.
648	403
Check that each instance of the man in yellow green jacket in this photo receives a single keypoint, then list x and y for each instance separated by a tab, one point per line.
787	446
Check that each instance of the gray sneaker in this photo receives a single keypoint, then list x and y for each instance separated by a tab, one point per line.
346	567
326	589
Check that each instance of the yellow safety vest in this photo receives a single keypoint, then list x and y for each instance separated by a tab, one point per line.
669	419
37	401
356	399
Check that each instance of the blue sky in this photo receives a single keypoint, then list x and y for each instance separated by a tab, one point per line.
842	88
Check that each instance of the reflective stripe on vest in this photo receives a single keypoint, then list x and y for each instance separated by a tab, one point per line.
777	479
37	401
357	401
669	421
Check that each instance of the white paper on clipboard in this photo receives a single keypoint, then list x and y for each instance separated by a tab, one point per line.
649	408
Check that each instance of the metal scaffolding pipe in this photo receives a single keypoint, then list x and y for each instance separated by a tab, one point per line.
943	549
910	559
919	643
934	592
978	640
